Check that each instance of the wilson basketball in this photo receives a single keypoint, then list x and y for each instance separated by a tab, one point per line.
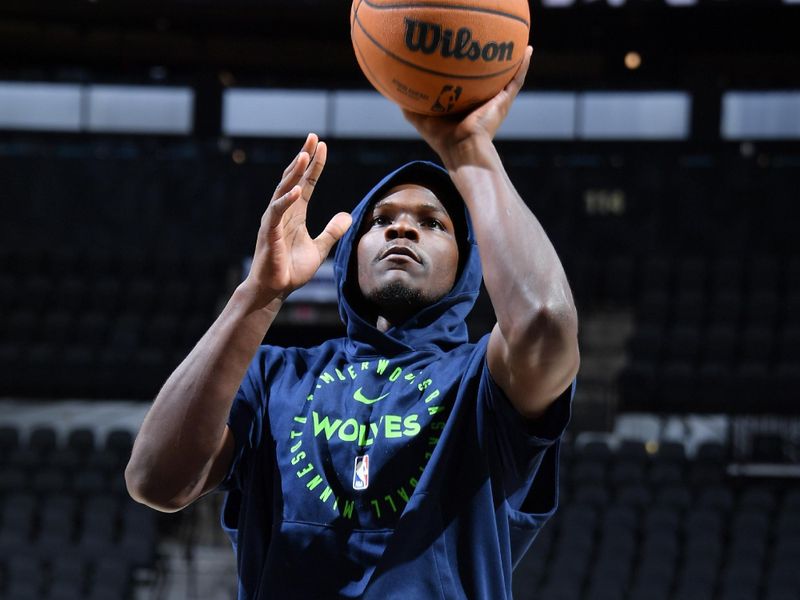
439	57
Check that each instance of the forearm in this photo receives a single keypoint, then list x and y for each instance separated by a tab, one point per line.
522	272
183	429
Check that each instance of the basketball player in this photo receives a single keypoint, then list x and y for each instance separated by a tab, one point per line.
400	461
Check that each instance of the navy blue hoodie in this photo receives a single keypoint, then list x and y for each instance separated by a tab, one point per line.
387	465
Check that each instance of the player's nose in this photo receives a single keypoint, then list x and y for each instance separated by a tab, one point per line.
403	227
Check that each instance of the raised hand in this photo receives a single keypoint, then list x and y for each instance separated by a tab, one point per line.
446	134
286	256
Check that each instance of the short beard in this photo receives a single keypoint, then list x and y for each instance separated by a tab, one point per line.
399	300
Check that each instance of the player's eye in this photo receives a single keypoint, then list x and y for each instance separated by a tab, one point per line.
434	223
380	220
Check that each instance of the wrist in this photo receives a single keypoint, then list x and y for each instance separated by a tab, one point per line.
476	150
250	299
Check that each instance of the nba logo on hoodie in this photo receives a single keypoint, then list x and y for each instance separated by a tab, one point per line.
361	473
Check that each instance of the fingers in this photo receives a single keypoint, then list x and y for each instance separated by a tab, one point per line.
278	206
311	142
515	85
332	233
292	174
314	170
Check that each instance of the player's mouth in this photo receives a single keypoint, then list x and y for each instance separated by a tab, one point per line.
400	253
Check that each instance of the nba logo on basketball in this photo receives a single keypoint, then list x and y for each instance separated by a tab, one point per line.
447	99
361	473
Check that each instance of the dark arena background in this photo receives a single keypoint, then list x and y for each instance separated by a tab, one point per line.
658	142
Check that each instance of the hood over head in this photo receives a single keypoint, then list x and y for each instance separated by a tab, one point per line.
440	326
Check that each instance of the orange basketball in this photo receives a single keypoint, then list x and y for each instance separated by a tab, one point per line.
438	57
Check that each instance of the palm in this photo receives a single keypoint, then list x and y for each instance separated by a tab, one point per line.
295	255
286	256
443	133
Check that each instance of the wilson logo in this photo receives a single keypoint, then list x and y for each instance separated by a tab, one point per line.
430	38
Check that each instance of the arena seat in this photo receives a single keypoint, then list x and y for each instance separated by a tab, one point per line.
68	528
705	536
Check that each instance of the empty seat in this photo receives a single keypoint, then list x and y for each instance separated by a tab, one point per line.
70	568
706	521
656	274
66	590
683	345
12	479
22	327
38	292
57	327
620	275
676	389
635	495
627	472
792	275
591	495
139	297
692	274
664	472
763	273
66	459
586	471
89	481
174	297
192	329
719	346
120	443
689	309
9	300
646	343
24	590
91	330
160	332
125	333
789	346
72	295
715	497
9	441
661	519
42	440
132	263
595	450
81	440
725	309
757	499
50	480
762	309
755	346
58	514
105	296
789	316
673	495
620	518
791	501
19	511
653	309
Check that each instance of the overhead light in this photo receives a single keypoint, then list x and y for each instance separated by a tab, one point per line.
239	156
633	60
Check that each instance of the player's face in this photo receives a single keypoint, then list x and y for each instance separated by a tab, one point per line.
407	248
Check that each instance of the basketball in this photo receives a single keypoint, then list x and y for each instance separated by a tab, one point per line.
439	57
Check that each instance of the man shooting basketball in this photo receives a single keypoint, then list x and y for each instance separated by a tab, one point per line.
400	461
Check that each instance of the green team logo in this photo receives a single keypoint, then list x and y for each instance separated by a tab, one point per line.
358	396
428	416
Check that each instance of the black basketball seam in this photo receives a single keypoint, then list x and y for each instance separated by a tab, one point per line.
431	71
366	66
355	15
448	7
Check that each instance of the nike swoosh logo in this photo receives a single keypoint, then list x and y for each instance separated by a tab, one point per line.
359	397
